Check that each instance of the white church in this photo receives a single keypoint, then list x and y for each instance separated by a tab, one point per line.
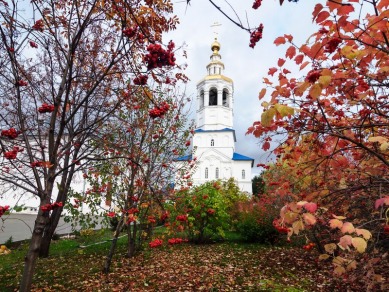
214	138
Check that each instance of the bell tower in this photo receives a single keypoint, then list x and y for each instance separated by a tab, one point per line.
215	95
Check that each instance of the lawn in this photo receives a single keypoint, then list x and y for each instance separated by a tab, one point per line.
227	266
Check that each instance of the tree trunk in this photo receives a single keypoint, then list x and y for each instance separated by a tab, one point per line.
33	252
131	240
107	265
49	232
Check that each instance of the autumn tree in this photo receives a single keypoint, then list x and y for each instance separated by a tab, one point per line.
65	67
140	142
335	118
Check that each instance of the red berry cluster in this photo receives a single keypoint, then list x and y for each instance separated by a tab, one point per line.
155	243
49	207
130	31
159	111
12	154
21	83
110	214
36	164
3	209
386	229
159	57
140	80
172	241
309	246
256	35
182	218
256	4
151	219
46	108
38	25
280	229
11	133
33	44
211	211
332	44
313	76
164	215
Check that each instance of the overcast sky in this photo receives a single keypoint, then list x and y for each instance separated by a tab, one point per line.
246	66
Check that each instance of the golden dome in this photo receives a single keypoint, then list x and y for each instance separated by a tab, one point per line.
215	47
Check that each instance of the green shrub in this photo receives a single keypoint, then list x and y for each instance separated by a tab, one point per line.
254	222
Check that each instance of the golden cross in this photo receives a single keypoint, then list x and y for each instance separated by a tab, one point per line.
215	24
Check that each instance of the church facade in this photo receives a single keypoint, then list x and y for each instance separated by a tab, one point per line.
214	137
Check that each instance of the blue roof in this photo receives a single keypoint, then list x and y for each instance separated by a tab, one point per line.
222	130
237	156
184	158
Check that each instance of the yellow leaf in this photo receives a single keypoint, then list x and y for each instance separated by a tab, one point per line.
364	232
267	117
323	256
265	104
351	266
359	244
297	226
300	89
379	139
384	146
339	270
309	219
338	217
315	90
335	223
330	247
324	81
284	110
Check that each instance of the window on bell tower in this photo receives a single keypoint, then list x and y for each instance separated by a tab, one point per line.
225	98
206	172
243	174
213	96
217	173
212	142
201	99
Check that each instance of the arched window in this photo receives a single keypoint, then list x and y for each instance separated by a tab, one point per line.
212	142
243	174
201	98
206	172
225	97
217	173
213	96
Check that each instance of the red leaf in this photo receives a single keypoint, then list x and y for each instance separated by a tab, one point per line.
316	11
279	41
266	146
345	10
288	37
322	16
303	65
280	62
299	59
290	52
272	71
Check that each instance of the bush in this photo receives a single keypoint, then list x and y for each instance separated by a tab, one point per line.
200	212
254	222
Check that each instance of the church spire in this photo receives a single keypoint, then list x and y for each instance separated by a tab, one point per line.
215	66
